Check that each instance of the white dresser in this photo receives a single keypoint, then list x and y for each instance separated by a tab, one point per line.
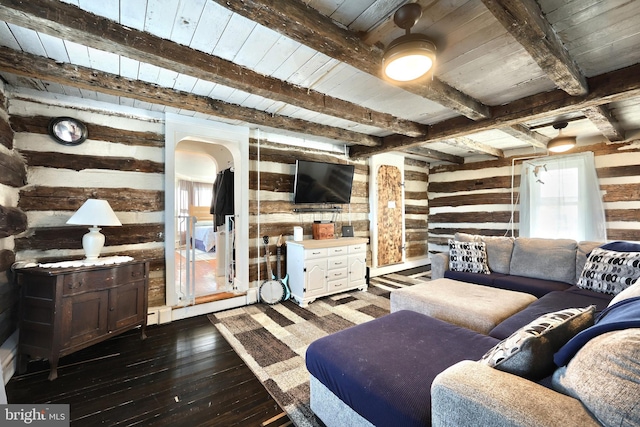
317	268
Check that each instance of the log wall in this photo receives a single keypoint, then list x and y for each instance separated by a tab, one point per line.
271	175
122	161
476	197
416	207
13	220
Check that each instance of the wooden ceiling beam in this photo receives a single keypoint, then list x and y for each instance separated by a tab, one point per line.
37	67
602	118
302	23
474	146
435	155
523	133
525	21
68	22
614	86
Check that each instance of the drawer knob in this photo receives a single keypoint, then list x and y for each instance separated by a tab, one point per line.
137	274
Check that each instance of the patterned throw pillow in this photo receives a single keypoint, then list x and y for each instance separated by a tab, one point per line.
529	351
469	257
610	272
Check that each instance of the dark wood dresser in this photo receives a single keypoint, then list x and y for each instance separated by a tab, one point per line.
63	310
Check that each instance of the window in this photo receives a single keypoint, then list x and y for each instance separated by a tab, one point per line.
560	198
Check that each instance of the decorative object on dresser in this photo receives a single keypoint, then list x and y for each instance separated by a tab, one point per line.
67	309
323	231
94	212
318	268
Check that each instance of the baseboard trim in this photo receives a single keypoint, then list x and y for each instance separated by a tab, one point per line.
388	269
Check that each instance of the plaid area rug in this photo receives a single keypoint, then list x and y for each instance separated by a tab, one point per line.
273	339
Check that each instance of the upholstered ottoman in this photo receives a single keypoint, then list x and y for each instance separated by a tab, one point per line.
476	307
379	373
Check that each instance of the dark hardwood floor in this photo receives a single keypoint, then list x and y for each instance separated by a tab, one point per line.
184	374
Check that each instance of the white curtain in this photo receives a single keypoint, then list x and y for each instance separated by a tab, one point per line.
560	198
192	193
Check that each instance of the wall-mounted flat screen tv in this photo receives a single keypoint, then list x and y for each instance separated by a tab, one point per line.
319	182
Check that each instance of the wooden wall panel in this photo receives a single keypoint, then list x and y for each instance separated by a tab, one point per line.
476	197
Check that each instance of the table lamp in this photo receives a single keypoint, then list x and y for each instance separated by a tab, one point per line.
94	212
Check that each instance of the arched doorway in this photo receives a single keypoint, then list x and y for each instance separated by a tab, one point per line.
235	139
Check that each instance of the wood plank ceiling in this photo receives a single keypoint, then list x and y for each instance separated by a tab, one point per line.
505	72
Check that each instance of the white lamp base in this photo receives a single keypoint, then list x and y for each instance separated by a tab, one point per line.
92	243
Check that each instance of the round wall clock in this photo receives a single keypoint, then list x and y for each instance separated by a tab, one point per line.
67	130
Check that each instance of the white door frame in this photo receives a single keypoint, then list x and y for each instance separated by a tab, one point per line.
236	140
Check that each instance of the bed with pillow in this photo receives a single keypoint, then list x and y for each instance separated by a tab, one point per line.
204	234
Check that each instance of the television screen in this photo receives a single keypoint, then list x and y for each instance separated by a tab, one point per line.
318	182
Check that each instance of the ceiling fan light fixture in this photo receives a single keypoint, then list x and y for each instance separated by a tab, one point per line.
561	143
410	56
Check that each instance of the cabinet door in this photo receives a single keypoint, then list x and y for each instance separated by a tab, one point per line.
126	305
84	317
357	269
315	277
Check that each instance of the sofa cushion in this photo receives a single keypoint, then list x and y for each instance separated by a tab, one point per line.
549	259
468	257
529	351
610	272
553	301
536	287
621	246
499	251
605	376
477	278
390	384
631	292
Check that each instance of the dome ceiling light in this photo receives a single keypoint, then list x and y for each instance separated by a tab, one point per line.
561	143
411	56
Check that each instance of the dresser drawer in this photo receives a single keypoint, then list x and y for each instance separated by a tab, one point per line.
337	285
84	281
356	249
338	274
337	262
338	250
315	253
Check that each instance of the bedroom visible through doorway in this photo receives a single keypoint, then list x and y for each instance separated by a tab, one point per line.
200	258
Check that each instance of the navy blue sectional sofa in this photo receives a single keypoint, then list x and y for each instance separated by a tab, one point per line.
381	373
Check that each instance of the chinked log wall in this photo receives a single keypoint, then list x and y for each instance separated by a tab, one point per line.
274	196
12	220
476	197
271	185
122	162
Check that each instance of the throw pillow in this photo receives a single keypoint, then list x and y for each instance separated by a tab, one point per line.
528	352
610	272
631	292
470	257
605	376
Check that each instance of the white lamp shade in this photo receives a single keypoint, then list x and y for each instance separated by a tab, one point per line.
95	212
